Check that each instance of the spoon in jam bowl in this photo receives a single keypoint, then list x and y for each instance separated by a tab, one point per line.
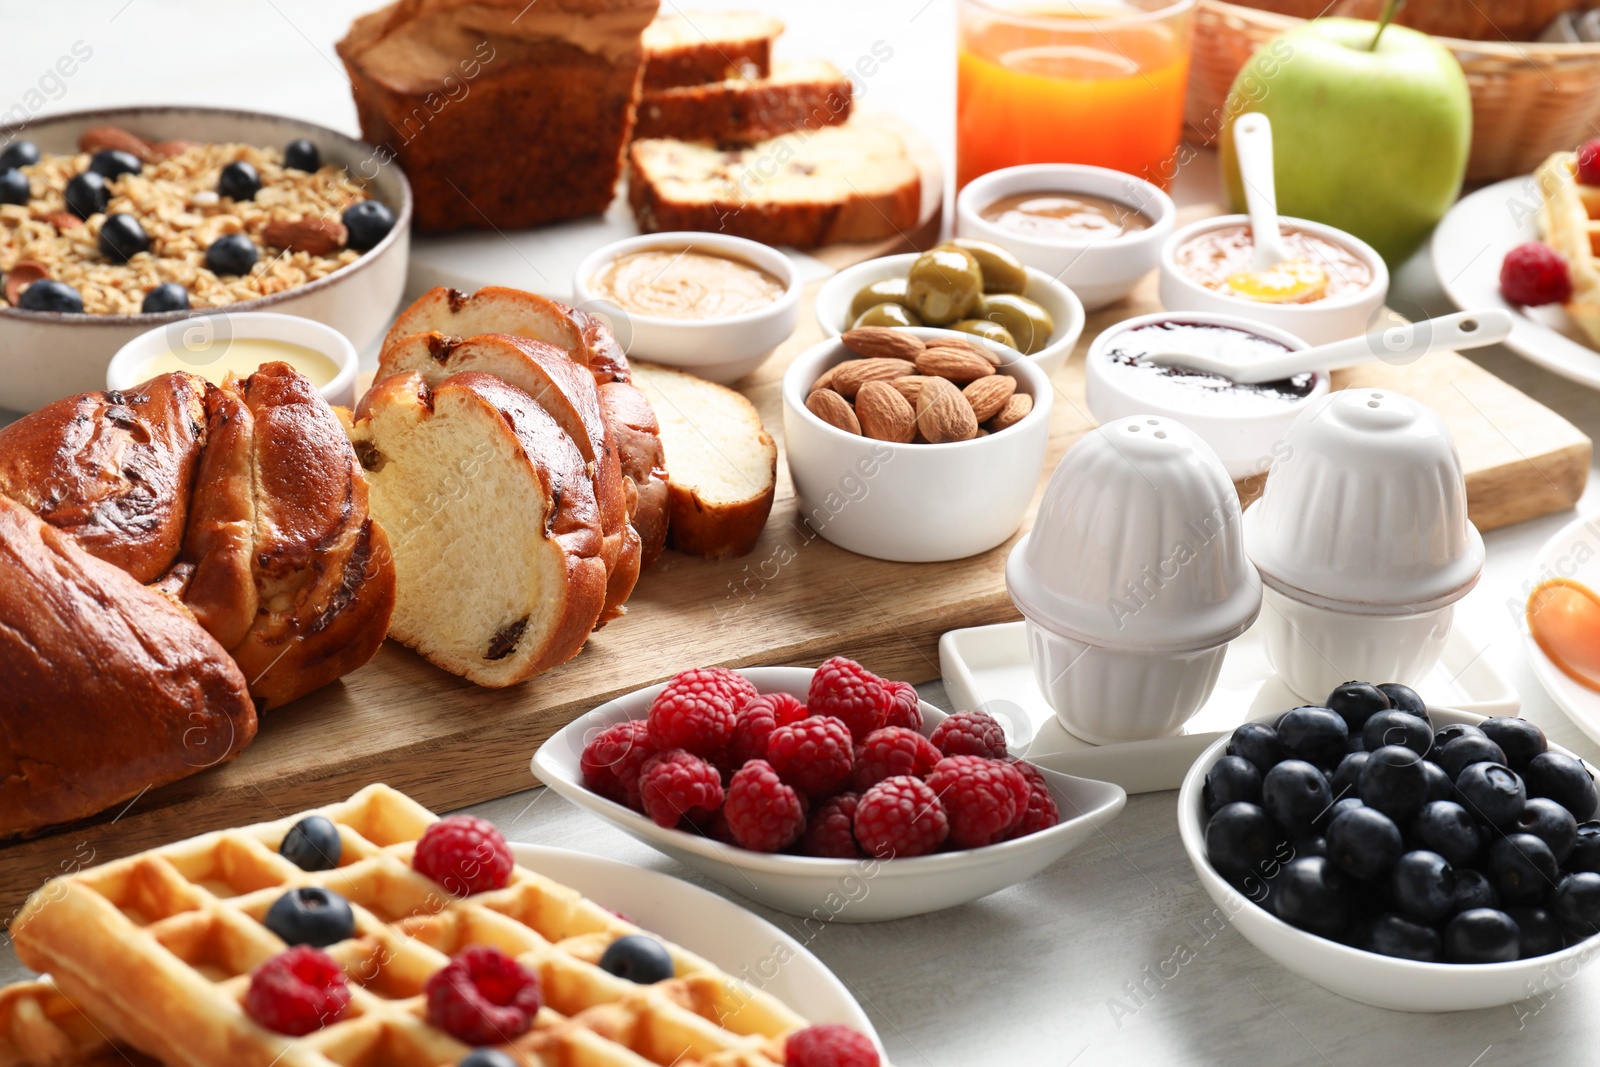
1394	344
1275	276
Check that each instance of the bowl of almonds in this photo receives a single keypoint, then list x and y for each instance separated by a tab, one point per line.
915	444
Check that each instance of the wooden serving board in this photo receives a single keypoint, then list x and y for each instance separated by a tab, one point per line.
794	600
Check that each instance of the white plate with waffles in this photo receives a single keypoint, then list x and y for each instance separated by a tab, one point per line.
158	949
1467	249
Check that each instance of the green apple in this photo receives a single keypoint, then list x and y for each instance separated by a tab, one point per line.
1370	129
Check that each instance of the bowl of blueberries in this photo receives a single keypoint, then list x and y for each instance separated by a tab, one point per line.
1408	857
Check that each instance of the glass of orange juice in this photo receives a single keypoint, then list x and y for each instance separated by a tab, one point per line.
1058	81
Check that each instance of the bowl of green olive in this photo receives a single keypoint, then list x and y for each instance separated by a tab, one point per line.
974	287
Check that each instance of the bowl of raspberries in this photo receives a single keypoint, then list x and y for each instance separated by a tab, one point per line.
829	793
1412	858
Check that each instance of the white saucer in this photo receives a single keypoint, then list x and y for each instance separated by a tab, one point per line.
1574	552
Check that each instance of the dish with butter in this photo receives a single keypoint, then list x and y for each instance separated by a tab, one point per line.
685	283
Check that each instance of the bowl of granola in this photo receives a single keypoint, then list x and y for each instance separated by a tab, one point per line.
116	221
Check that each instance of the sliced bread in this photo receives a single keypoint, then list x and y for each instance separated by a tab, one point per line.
797	96
722	464
809	188
695	47
493	523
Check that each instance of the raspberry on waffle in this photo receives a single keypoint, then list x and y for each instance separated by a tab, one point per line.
151	956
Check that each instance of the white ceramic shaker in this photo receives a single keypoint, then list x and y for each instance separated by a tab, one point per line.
1363	543
1133	580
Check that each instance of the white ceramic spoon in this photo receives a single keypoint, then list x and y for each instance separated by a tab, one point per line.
1252	140
1465	329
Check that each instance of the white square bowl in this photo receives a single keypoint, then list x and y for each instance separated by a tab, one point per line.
832	890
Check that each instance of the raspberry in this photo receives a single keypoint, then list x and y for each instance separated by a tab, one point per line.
905	707
764	815
676	785
297	991
612	761
901	817
465	855
814	755
697	709
892	751
1589	163
1040	812
755	723
829	1045
1534	274
970	733
831	831
483	997
849	692
984	798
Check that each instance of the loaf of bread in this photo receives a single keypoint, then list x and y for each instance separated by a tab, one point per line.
491	512
696	47
503	113
797	96
109	688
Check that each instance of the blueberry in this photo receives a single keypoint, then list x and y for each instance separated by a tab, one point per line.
1404	698
1576	904
1492	792
1440	787
1295	795
239	181
1474	890
1341	806
1564	780
1310	894
486	1057
1395	935
1519	739
1550	823
1364	842
1313	734
168	296
1539	933
301	155
1455	756
1523	868
312	844
1446	734
1348	775
112	163
1445	827
1585	855
637	958
233	253
122	238
14	187
1398	728
1356	702
19	154
368	223
1241	841
1309	845
1394	782
1423	885
312	916
1482	935
1230	780
87	195
51	295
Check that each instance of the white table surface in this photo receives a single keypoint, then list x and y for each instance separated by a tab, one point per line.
1062	970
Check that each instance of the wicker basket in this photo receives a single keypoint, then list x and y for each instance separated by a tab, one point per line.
1528	99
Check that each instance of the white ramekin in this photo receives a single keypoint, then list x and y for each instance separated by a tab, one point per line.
215	328
724	349
1100	272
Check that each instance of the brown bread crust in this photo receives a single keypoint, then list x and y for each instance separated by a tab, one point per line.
743	110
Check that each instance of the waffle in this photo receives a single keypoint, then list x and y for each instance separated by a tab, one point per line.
1569	220
153	952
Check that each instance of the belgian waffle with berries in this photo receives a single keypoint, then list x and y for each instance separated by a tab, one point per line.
371	932
1569	222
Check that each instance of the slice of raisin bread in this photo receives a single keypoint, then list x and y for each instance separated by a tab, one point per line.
695	47
493	523
798	96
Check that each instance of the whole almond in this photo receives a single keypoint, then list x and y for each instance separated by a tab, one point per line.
168	149
101	138
882	341
61	220
909	386
834	410
849	377
825	380
884	414
943	414
988	395
993	358
21	276
317	237
1015	411
954	364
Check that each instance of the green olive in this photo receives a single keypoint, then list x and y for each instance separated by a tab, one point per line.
883	291
887	315
989	331
1026	321
1002	271
944	284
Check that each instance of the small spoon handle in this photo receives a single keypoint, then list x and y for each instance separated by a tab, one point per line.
1403	343
1252	140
